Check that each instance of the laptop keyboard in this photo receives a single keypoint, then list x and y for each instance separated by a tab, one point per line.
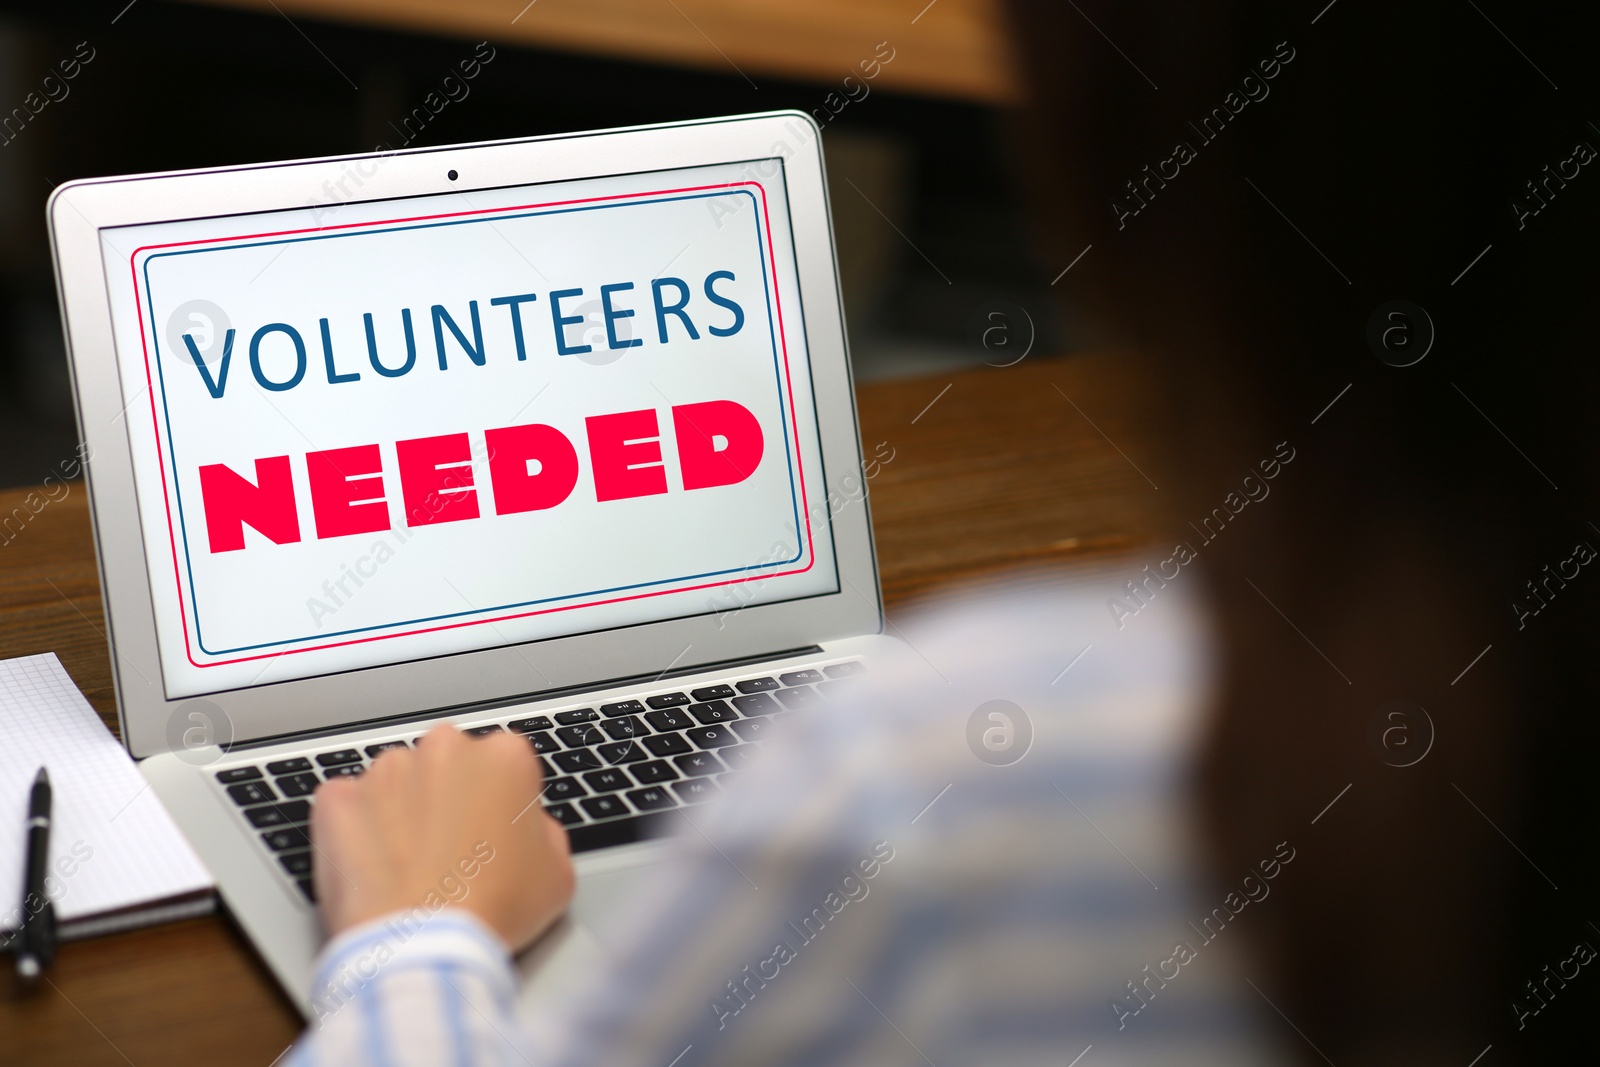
612	771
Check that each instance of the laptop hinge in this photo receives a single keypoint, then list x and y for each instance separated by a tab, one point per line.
523	698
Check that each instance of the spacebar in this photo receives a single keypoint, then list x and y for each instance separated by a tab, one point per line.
619	831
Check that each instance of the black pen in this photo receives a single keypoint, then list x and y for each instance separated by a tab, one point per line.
36	941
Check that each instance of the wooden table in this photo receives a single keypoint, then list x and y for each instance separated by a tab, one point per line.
989	467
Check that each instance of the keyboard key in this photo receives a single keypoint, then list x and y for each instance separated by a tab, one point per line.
238	774
298	785
543	742
251	793
565	814
289	766
580	736
622	707
697	763
573	718
563	789
335	759
577	761
695	790
608	781
265	817
800	677
348	770
757	685
307	889
669	720
384	746
602	807
282	814
666	744
714	692
627	726
726	780
657	770
667	700
711	736
296	862
652	799
739	756
713	711
801	696
286	838
759	704
845	670
485	730
622	752
545	770
527	726
752	729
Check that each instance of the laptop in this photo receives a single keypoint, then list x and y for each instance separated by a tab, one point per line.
553	436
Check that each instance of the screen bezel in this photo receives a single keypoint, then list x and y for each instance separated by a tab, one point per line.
151	723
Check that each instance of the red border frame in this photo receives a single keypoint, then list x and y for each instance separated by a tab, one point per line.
783	341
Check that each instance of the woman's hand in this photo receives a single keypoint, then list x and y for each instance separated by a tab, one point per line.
456	820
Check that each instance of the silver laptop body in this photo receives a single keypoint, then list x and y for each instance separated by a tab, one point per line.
553	435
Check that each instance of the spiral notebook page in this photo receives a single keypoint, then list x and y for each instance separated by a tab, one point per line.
112	844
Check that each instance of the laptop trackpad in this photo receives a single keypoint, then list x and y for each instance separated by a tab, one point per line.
595	927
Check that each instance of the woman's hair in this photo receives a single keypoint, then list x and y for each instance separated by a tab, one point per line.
1365	234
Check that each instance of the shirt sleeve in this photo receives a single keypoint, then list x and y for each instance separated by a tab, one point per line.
413	987
884	886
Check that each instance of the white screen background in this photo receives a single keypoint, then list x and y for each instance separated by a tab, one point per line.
272	612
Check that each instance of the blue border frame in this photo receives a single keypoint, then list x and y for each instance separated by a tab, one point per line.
172	444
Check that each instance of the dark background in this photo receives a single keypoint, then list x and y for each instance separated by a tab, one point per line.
1386	160
174	86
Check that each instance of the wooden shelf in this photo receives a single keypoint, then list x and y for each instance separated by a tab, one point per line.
950	48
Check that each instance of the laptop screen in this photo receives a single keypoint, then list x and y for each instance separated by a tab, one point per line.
372	432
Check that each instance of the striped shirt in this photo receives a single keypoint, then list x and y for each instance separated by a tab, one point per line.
986	855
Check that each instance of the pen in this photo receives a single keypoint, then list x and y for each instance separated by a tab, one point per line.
36	941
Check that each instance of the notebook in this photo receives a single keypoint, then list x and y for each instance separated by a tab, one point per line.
116	859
